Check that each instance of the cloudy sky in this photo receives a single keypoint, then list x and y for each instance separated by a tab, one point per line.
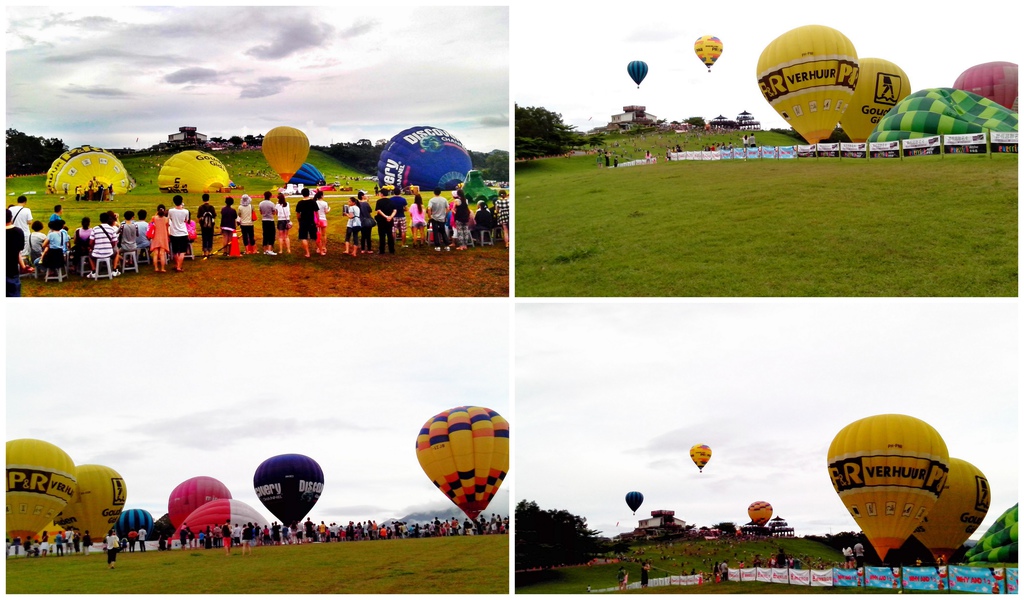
579	70
91	75
610	397
348	383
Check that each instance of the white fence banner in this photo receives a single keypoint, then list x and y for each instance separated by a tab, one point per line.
884	149
821	578
764	575
780	575
921	146
748	574
799	577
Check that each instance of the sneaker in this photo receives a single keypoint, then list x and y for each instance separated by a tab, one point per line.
447	248
116	273
270	253
437	248
91	276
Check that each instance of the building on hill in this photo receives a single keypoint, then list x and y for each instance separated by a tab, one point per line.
721	122
187	137
661	523
778	527
630	117
746	122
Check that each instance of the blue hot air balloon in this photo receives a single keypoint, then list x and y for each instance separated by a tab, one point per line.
427	157
634	500
308	175
637	70
289	485
133	520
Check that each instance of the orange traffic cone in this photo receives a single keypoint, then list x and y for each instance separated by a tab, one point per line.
234	246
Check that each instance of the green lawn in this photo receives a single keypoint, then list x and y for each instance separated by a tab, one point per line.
456	565
928	226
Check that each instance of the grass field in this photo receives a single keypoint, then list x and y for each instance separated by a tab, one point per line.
928	226
477	272
457	565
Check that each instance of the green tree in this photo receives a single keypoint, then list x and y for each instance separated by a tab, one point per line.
726	527
29	155
546	538
695	121
540	132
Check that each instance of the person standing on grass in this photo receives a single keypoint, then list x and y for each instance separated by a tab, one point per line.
419	221
113	545
160	245
399	222
225	536
367	220
438	209
501	214
321	222
306	210
384	214
247	223
354	226
268	210
207	216
284	222
15	259
22	218
86	543
177	231
142	539
462	212
228	223
248	533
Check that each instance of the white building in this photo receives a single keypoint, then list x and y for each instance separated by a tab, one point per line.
630	116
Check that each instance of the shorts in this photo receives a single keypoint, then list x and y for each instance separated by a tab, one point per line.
307	231
282	225
419	224
226	230
268	233
179	244
246	542
399	226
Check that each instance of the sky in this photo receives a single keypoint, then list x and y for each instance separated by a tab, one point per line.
94	76
620	392
579	71
348	383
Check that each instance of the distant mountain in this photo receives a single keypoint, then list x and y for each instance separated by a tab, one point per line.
446	510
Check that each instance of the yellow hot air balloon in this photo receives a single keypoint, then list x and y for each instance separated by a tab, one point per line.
465	452
959	511
81	165
285	149
192	171
700	454
708	48
40	482
880	85
888	470
759	512
98	503
808	75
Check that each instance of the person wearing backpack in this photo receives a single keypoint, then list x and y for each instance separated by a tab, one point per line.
207	216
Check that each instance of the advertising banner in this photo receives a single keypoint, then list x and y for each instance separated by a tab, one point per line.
884	149
979	580
827	150
780	575
805	151
799	577
747	574
846	577
754	152
821	578
881	577
787	152
921	146
769	152
853	150
1011	580
921	578
969	143
1004	142
727	154
764	575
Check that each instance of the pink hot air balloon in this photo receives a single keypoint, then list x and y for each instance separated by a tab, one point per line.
216	512
996	81
191	494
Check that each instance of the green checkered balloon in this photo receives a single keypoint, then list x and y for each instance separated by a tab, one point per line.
942	111
999	544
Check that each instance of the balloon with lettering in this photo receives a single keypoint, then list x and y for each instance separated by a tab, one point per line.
959	511
40	483
889	470
942	111
880	86
217	512
700	454
634	500
999	544
79	166
192	171
996	81
308	175
808	75
465	453
191	494
428	157
285	149
708	48
98	502
288	485
134	519
759	512
637	71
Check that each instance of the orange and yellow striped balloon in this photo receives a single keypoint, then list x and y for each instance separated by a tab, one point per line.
465	452
759	512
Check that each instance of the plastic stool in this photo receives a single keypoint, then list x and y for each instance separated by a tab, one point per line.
143	257
129	261
84	267
188	252
57	274
486	239
110	270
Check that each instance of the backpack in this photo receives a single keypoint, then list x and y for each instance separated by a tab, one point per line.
206	220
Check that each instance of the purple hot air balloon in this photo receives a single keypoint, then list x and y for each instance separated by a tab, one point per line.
996	81
289	485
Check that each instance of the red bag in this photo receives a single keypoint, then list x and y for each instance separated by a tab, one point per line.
151	231
190	226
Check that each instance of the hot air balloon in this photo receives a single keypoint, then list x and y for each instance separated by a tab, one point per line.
942	111
97	504
808	75
634	500
216	512
959	511
81	165
996	81
880	86
308	175
285	149
191	494
759	512
192	171
427	157
134	519
40	483
700	454
288	485
888	470
465	452
708	48
999	544
637	71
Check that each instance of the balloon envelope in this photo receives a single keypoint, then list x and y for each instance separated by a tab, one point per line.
97	504
759	512
700	454
634	500
134	519
285	149
958	512
708	48
465	452
217	512
880	86
808	75
637	71
999	544
192	171
308	175
996	81
80	165
40	483
191	494
942	111
888	470
428	157
289	485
